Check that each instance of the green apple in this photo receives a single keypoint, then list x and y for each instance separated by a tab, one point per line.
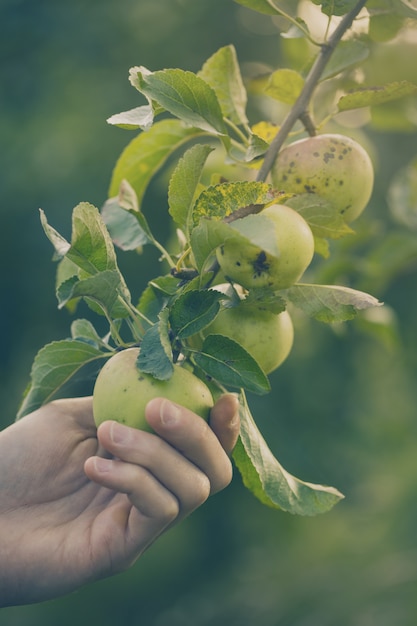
121	391
251	267
333	166
267	336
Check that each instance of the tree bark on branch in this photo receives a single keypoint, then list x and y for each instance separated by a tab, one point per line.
300	108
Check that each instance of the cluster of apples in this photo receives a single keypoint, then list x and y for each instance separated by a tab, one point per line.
335	168
339	171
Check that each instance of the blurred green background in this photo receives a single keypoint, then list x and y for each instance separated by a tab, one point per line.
343	406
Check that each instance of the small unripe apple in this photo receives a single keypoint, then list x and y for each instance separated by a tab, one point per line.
333	166
251	267
267	336
121	391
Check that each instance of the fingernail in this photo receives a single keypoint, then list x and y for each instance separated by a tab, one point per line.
235	420
102	466
169	413
119	433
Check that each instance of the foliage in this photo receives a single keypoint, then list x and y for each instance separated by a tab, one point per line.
208	109
341	408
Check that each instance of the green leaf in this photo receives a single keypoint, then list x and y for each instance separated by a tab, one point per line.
335	7
124	228
92	252
193	311
127	197
91	247
264	299
83	330
385	27
221	200
321	247
53	366
406	8
329	303
323	219
183	185
167	285
227	362
263	475
186	96
155	356
373	96
125	221
256	148
60	244
222	72
297	30
346	55
210	234
147	153
259	231
285	85
156	296
138	118
103	289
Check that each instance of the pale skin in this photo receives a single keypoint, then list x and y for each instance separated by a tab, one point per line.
78	504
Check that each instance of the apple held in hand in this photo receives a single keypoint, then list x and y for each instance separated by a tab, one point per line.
332	166
252	267
121	391
267	336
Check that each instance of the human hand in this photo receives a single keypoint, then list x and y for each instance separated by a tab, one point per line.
78	504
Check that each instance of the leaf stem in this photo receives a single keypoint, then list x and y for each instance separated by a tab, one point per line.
301	105
237	130
165	253
134	314
296	23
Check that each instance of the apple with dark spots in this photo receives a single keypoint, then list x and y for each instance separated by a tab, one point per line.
251	267
333	166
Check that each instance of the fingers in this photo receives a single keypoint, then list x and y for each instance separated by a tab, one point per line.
225	422
149	509
145	492
160	482
185	464
194	438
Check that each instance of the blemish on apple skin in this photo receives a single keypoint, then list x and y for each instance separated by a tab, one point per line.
327	156
260	264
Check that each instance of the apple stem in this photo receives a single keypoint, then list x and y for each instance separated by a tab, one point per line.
307	121
300	108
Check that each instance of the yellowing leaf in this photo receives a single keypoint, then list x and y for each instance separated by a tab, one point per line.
265	130
372	96
285	85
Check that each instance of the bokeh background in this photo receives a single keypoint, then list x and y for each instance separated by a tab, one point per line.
343	406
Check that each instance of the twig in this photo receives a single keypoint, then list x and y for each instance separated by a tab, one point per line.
301	105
